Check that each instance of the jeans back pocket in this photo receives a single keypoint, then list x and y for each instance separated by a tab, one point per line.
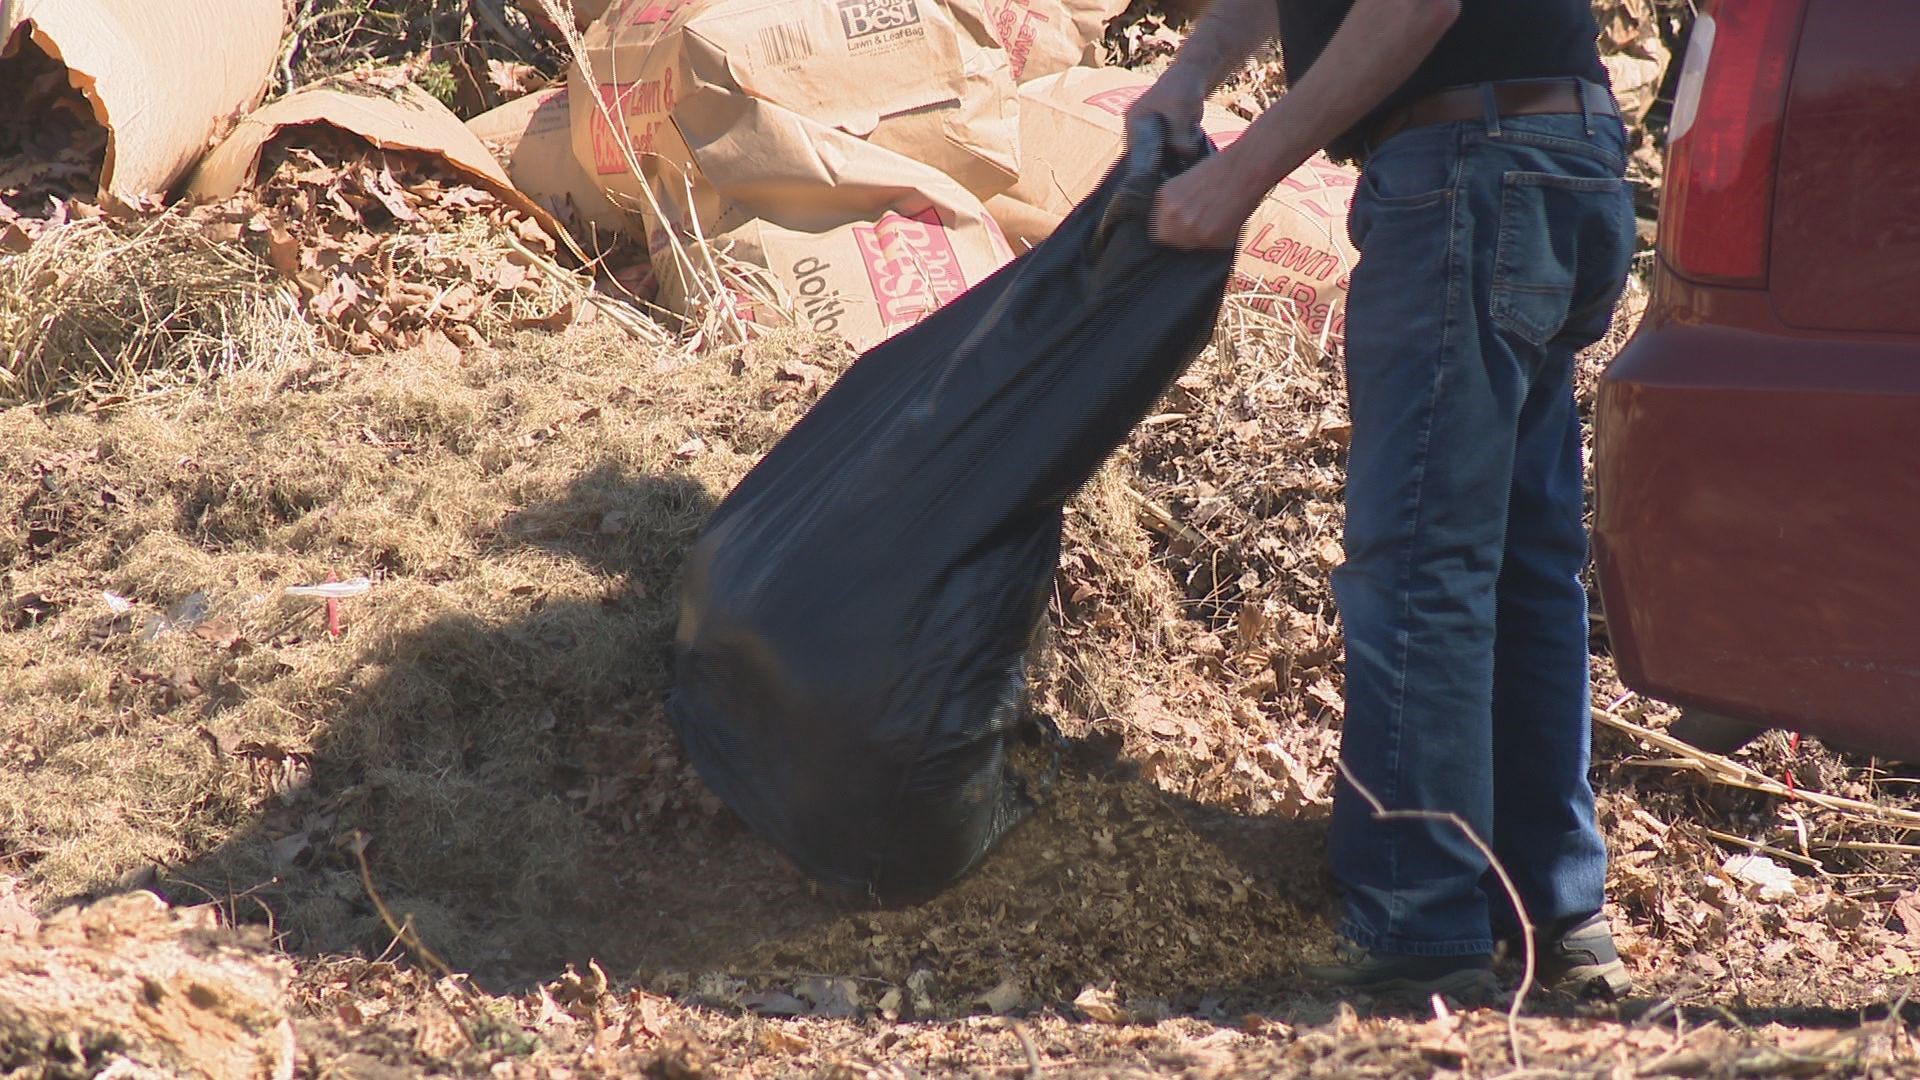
1564	243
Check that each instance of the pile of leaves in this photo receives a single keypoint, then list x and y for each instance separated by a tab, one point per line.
364	249
51	147
1238	482
372	249
388	248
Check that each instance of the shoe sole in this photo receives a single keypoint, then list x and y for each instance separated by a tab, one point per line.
1473	987
1609	979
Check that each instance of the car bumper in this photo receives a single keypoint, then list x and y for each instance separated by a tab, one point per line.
1758	521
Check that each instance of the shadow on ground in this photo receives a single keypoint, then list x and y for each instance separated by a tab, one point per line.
522	805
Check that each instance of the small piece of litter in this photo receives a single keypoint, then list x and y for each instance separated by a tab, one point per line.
332	590
1774	881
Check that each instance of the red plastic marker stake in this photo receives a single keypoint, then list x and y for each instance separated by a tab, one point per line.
333	611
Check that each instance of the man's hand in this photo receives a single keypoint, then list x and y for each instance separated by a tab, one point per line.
1378	46
1224	36
1204	208
1179	95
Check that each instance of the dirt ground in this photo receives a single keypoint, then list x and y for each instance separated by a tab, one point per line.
334	640
486	733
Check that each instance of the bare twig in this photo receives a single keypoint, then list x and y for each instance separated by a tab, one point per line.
1381	813
1872	845
809	975
1027	1048
1154	516
302	21
623	313
1768	849
404	933
1894	1022
1731	773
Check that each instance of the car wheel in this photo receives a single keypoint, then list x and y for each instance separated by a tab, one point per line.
1712	732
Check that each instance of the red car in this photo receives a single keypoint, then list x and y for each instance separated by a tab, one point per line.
1757	447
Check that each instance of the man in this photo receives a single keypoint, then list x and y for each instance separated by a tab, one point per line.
1495	231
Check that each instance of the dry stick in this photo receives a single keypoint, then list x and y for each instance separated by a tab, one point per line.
1161	520
627	312
1381	813
712	292
1734	774
1893	1023
1784	1060
1027	1048
1873	845
618	310
406	936
302	22
1768	849
561	12
729	317
809	975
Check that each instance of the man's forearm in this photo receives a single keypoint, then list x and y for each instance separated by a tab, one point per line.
1223	38
1381	44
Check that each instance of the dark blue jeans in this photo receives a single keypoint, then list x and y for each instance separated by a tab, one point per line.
1491	252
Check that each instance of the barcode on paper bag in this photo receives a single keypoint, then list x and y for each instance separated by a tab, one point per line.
785	43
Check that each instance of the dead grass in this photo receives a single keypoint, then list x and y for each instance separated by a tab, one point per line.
490	721
489	726
340	246
100	308
520	513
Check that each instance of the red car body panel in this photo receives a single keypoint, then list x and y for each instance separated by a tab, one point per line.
1757	451
1846	213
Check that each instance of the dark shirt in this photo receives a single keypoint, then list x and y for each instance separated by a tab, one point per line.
1493	40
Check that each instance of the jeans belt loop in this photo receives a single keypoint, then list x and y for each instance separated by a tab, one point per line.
1586	113
1491	106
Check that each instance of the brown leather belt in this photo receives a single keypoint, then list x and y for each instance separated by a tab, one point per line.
1518	97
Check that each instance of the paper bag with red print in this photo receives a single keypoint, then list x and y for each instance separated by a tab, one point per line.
687	95
530	138
864	259
1294	254
1043	37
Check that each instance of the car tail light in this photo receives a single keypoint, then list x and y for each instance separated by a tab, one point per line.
1724	140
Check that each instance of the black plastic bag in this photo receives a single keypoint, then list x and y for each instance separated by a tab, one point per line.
855	617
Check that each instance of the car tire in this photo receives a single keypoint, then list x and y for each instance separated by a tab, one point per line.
1712	732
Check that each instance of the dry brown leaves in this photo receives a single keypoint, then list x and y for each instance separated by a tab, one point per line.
483	720
1147	35
388	250
1214	649
474	54
51	147
371	251
129	987
1639	42
1627	26
582	1024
